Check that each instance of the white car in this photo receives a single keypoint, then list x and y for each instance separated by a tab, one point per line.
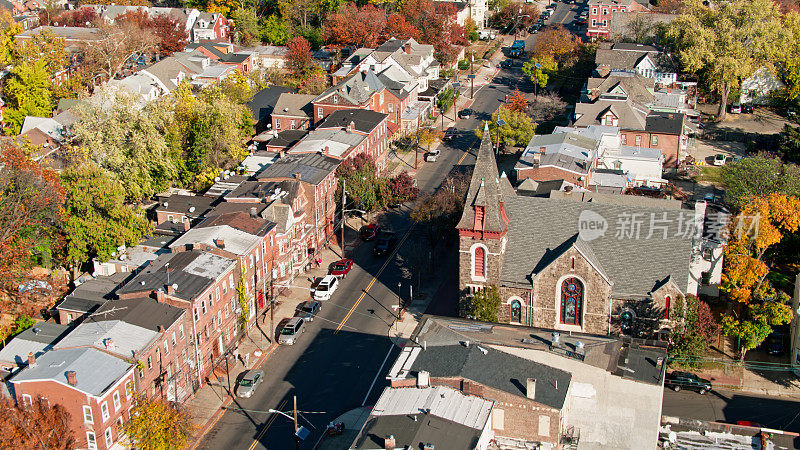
432	155
326	287
719	159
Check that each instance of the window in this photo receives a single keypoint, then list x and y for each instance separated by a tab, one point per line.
638	141
605	11
571	301
149	363
516	311
104	410
654	140
203	306
109	438
224	286
87	414
230	280
90	440
498	419
277	124
69	318
196	315
594	11
26	399
667	301
174	341
171	218
319	113
594	22
117	403
335	99
292	125
708	254
180	331
544	425
119	424
166	348
480	262
391	107
226	311
624	139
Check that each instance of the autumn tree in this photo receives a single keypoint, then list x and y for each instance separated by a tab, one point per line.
359	26
398	27
727	42
438	212
437	26
298	58
302	12
246	22
43	46
98	219
365	188
10	28
275	30
402	189
35	426
118	44
169	35
555	43
30	213
27	93
548	106
694	330
518	129
789	67
517	101
81	17
156	424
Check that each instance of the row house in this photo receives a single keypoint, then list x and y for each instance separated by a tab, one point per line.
204	284
292	112
599	21
95	387
316	174
410	61
180	208
151	334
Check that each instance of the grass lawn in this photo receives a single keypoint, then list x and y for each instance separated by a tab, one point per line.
710	174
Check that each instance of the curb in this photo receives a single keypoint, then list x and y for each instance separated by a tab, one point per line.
228	400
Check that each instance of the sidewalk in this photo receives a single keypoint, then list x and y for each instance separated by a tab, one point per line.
206	407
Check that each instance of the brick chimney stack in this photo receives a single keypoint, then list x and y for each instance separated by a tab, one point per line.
389	443
220	243
31	360
72	378
186	226
530	390
407	48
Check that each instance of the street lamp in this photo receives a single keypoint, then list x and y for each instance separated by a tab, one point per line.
399	302
500	123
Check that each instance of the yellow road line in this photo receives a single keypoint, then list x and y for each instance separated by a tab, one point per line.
269	424
375	278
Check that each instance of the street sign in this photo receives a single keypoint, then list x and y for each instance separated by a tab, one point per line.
469	77
456	84
302	433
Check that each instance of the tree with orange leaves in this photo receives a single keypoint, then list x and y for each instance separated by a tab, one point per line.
758	306
31	211
517	101
36	426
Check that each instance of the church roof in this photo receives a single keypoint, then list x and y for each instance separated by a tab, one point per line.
636	263
487	188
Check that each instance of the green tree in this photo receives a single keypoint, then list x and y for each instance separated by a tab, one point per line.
98	220
789	144
275	30
244	305
485	303
790	67
246	23
157	425
755	323
28	94
539	70
518	129
695	328
21	324
365	188
759	176
728	41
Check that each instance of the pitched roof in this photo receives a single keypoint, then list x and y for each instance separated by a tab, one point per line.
143	312
235	241
241	220
312	168
631	116
495	369
91	294
623	85
566	150
354	90
263	102
115	336
486	188
634	264
96	371
364	120
37	339
294	105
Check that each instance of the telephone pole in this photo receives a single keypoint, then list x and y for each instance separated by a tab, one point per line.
296	440
344	196
471	76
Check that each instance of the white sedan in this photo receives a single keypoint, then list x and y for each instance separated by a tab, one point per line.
326	287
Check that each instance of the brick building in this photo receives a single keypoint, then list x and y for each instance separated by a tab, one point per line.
180	208
292	112
374	126
95	387
599	21
559	265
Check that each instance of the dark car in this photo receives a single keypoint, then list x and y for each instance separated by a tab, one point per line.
370	232
775	343
506	63
747	109
465	113
449	134
341	268
385	243
307	310
686	380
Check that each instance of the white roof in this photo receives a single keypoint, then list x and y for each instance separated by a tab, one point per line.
444	402
236	241
16	350
337	142
257	163
125	338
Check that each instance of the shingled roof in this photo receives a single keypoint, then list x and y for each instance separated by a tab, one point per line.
487	188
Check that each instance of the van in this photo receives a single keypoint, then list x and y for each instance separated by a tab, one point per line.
291	330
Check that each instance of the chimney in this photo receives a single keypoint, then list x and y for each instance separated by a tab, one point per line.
326	150
298	175
172	288
186	226
253	213
31	360
407	48
542	150
423	379
389	443
161	328
220	242
72	377
351	126
109	343
530	390
159	295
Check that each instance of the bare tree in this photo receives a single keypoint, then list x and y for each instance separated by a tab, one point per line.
548	106
118	44
38	425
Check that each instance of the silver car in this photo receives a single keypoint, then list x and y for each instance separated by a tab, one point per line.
307	310
249	383
292	330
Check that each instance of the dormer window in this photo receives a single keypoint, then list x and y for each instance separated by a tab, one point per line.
335	99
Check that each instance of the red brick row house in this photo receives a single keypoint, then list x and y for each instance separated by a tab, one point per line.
600	11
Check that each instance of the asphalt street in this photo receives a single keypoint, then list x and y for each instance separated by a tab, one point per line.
341	361
732	406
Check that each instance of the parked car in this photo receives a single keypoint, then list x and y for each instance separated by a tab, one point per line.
735	108
719	159
249	383
507	63
465	113
386	241
432	155
326	287
748	423
370	231
291	330
685	380
341	268
550	6
450	133
747	109
307	310
775	343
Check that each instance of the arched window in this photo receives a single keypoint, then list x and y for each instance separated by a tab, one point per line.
667	301
480	262
516	311
571	301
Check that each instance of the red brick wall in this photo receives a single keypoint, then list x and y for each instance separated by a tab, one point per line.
551	173
282	123
670	144
74	400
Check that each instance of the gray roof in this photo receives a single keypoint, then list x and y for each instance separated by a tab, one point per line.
355	89
191	205
363	120
37	340
665	122
486	189
635	266
294	105
284	139
91	294
635	201
413	431
495	369
623	85
115	336
68	33
96	371
631	116
313	168
235	241
263	102
143	312
565	150
626	56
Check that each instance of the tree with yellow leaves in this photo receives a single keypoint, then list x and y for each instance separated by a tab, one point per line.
155	425
758	307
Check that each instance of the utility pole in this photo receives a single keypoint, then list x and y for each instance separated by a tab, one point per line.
416	149
296	441
344	197
471	75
